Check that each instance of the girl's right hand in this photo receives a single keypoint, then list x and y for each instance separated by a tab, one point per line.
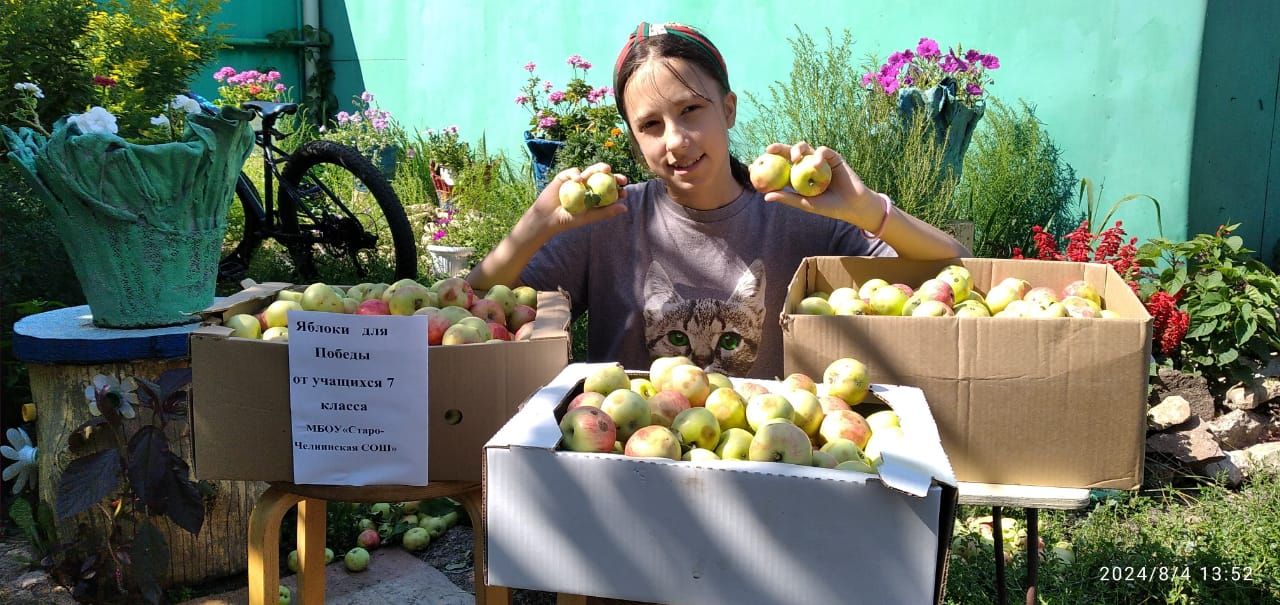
555	219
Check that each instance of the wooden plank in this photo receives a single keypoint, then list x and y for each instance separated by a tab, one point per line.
1023	496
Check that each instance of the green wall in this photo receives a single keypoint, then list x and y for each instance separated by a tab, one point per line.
1117	82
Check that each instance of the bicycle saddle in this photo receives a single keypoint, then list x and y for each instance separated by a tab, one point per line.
270	110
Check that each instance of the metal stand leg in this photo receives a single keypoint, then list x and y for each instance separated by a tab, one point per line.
1033	552
997	534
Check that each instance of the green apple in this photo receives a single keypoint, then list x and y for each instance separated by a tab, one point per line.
526	296
359	291
292	295
454	314
630	412
328	555
278	333
813	305
735	444
857	466
822	459
406	296
886	437
808	411
698	454
503	296
869	287
888	300
244	325
762	408
799	382
653	441
416	539
285	596
661	368
811	175
697	427
843	450
780	441
883	418
932	308
643	387
607	380
604	187
770	172
320	297
461	334
970	308
356	559
847	379
718	380
1084	290
477	324
1109	314
729	408
573	197
292	561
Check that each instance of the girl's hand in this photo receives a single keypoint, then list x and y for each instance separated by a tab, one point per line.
554	219
846	197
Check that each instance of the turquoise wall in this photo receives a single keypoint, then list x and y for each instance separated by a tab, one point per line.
1118	83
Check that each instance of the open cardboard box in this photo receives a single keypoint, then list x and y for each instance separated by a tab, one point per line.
719	532
240	392
1050	402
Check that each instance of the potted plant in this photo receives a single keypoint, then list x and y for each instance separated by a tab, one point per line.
249	85
555	114
448	155
448	258
373	131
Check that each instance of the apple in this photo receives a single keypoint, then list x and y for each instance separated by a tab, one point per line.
888	300
356	559
1052	310
908	290
808	411
368	538
573	197
461	334
832	403
1063	551
886	437
588	429
799	382
416	539
1084	290
735	444
845	425
847	379
503	296
498	331
1041	296
405	297
285	596
999	297
526	296
718	380
320	297
279	333
969	308
841	297
811	175
1081	307
822	459
292	561
912	303
781	441
813	305
1018	285
698	454
857	466
843	450
763	408
519	316
869	287
436	526
932	308
360	291
488	310
690	381
882	419
855	307
643	387
374	306
524	333
292	295
349	305
452	292
1109	314
661	368
605	188
751	389
454	314
261	316
586	398
697	427
630	412
653	441
820	294
607	379
959	279
479	325
729	408
770	172
244	325
664	406
936	289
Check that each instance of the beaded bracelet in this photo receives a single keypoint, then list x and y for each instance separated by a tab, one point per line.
888	206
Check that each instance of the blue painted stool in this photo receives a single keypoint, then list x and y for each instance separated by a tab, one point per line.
63	351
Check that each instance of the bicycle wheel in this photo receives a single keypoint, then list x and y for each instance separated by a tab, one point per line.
346	222
235	265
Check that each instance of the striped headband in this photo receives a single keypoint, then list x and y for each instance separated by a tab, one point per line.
646	30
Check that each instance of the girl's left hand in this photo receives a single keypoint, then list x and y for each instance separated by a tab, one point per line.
846	198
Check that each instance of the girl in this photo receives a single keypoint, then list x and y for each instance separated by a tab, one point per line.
694	262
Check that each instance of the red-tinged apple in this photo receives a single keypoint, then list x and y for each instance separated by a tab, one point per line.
698	454
526	296
244	325
936	289
664	406
461	334
770	172
808	411
813	305
908	290
822	459
781	441
630	412
969	308
262	320
857	466
845	425
586	398
436	327
690	381
718	380
1081	307
588	429
959	278
524	333
653	441
520	316
869	287
643	387
763	408
811	175
799	382
604	187
320	297
406	296
573	197
503	296
452	292
882	419
831	403
847	379
751	389
1041	296
697	427
888	300
1084	290
661	368
356	559
454	314
843	450
499	331
277	313
479	325
374	307
368	539
735	444
607	379
489	310
932	308
729	408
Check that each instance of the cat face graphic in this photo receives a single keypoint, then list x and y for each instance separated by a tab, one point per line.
717	335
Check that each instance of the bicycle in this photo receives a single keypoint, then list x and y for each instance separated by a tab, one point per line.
322	231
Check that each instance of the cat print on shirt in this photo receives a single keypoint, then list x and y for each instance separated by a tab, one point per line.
717	335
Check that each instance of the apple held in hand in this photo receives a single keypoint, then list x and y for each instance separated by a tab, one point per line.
604	189
573	197
811	175
770	172
588	429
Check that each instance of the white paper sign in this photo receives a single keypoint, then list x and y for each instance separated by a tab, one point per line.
358	394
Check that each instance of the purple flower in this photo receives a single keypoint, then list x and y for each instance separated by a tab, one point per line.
908	81
343	117
890	84
972	55
927	48
990	61
452	130
410	153
530	66
521	99
973	89
952	64
379	123
868	78
556	97
439	235
897	58
366	96
547	122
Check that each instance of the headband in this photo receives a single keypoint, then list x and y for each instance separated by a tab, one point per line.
646	30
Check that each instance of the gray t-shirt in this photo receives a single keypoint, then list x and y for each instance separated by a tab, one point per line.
663	279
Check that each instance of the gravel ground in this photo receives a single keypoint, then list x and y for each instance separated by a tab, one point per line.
452	554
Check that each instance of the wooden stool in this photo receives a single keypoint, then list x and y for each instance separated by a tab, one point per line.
264	533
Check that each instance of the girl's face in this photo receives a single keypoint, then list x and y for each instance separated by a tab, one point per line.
681	122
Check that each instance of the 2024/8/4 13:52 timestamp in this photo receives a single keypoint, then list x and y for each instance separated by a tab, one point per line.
1162	573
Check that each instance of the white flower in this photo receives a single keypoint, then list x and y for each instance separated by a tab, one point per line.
104	385
185	103
160	120
95	121
31	88
23	455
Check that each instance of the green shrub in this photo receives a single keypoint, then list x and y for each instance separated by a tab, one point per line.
490	195
590	146
38	43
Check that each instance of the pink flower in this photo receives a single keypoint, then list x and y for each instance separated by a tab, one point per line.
973	89
556	97
272	76
410	153
343	117
366	96
952	64
927	48
585	65
990	62
547	122
575	60
452	130
972	56
224	73
440	234
868	78
279	87
546	86
890	84
521	99
530	66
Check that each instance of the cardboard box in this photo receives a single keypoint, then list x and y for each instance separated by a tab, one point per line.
719	532
1050	402
240	393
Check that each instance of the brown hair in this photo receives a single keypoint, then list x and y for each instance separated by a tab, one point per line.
672	47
